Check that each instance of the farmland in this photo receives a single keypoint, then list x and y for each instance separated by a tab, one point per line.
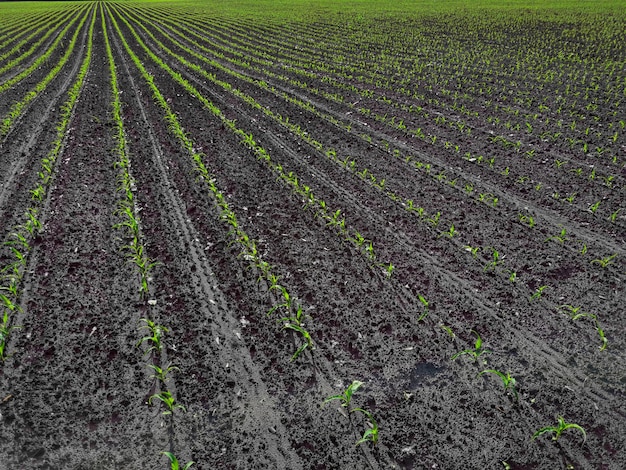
321	235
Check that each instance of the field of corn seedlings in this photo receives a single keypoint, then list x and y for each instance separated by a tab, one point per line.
321	235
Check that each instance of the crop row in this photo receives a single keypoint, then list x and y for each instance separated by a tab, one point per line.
495	257
421	175
22	237
494	261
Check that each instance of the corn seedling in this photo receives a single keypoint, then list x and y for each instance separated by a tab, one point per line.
38	193
507	380
425	304
434	220
160	373
583	250
602	335
450	233
527	219
594	207
513	276
537	294
297	319
476	352
613	216
574	315
169	402
5	330
156	335
495	261
8	303
358	240
287	300
33	224
370	434
305	334
175	464
558	430
561	238
388	269
472	250
604	262
572	310
346	396
369	250
448	330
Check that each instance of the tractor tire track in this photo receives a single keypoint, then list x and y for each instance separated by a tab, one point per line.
218	323
400	242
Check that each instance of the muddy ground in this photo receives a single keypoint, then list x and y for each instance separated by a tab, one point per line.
74	393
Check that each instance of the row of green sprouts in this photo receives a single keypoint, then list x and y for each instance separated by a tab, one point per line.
20	240
153	340
291	311
332	217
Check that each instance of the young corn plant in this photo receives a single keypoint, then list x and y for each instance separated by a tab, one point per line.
537	294
594	207
308	341
472	250
175	464
604	262
169	402
5	330
160	373
434	220
424	303
561	238
370	434
450	233
527	220
346	396
574	315
558	429
495	261
388	269
508	381
448	330
287	299
613	216
477	352
155	336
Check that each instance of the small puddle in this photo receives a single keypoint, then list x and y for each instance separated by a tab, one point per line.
422	371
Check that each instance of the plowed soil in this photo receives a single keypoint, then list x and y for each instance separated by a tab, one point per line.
74	392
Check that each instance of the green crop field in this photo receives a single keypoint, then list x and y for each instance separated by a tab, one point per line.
303	234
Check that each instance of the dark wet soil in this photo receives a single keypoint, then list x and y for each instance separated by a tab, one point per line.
74	393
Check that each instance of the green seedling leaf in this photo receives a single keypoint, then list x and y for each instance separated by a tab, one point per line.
558	430
175	464
370	434
169	402
346	396
161	373
305	334
604	262
424	302
508	381
476	352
